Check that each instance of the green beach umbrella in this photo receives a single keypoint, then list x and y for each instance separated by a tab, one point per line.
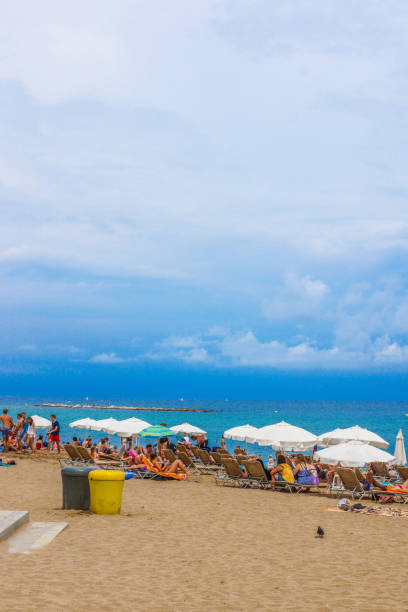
157	431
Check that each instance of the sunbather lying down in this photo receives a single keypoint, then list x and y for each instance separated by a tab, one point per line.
174	467
7	462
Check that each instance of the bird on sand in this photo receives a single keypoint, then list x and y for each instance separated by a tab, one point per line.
320	532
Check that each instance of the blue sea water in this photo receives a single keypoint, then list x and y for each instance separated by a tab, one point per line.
385	418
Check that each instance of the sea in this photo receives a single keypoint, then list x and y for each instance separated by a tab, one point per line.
384	418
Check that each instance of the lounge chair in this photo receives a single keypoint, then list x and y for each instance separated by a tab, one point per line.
351	484
256	474
205	464
379	470
88	459
402	471
169	455
232	475
206	460
74	456
217	458
156	470
193	467
359	473
195	450
241	458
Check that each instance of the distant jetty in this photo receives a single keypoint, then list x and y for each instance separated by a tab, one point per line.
113	407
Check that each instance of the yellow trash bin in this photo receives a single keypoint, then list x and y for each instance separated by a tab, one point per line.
106	488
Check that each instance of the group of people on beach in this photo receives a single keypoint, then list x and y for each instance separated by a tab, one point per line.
21	435
297	468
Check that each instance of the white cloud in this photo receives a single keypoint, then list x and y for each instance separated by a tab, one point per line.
210	145
244	349
108	358
188	349
27	348
297	297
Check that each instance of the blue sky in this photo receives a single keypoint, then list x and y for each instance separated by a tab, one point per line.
203	191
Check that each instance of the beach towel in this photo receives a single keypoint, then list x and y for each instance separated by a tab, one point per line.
155	470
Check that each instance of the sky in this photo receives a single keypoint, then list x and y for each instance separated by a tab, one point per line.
198	193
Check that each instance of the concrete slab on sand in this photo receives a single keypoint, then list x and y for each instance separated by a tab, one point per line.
10	521
35	536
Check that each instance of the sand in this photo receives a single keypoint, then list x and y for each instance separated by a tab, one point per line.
187	545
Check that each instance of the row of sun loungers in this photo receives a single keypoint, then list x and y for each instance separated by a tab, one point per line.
352	483
227	472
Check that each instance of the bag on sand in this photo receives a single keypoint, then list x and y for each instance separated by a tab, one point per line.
344	504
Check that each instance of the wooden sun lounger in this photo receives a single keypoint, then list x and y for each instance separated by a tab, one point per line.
233	475
169	455
190	465
379	470
217	458
402	471
74	456
257	474
206	460
88	459
351	484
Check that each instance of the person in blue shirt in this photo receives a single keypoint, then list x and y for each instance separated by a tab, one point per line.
54	434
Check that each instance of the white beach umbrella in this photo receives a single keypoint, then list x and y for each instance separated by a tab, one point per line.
132	425
283	436
128	430
241	433
352	433
187	429
86	423
353	454
102	424
40	422
399	453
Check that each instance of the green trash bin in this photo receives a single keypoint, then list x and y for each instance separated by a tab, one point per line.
75	487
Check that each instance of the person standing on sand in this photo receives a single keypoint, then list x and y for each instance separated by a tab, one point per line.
31	434
53	433
6	425
24	431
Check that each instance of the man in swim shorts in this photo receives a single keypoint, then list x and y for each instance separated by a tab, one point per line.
6	425
53	433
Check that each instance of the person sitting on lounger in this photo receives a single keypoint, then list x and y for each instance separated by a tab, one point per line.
370	482
301	471
282	472
173	467
202	443
391	471
134	460
258	458
150	451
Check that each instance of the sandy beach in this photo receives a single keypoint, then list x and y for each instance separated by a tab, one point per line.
193	545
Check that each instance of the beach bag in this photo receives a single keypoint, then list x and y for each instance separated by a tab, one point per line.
314	478
344	504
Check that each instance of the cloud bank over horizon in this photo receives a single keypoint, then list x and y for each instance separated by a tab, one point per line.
219	183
